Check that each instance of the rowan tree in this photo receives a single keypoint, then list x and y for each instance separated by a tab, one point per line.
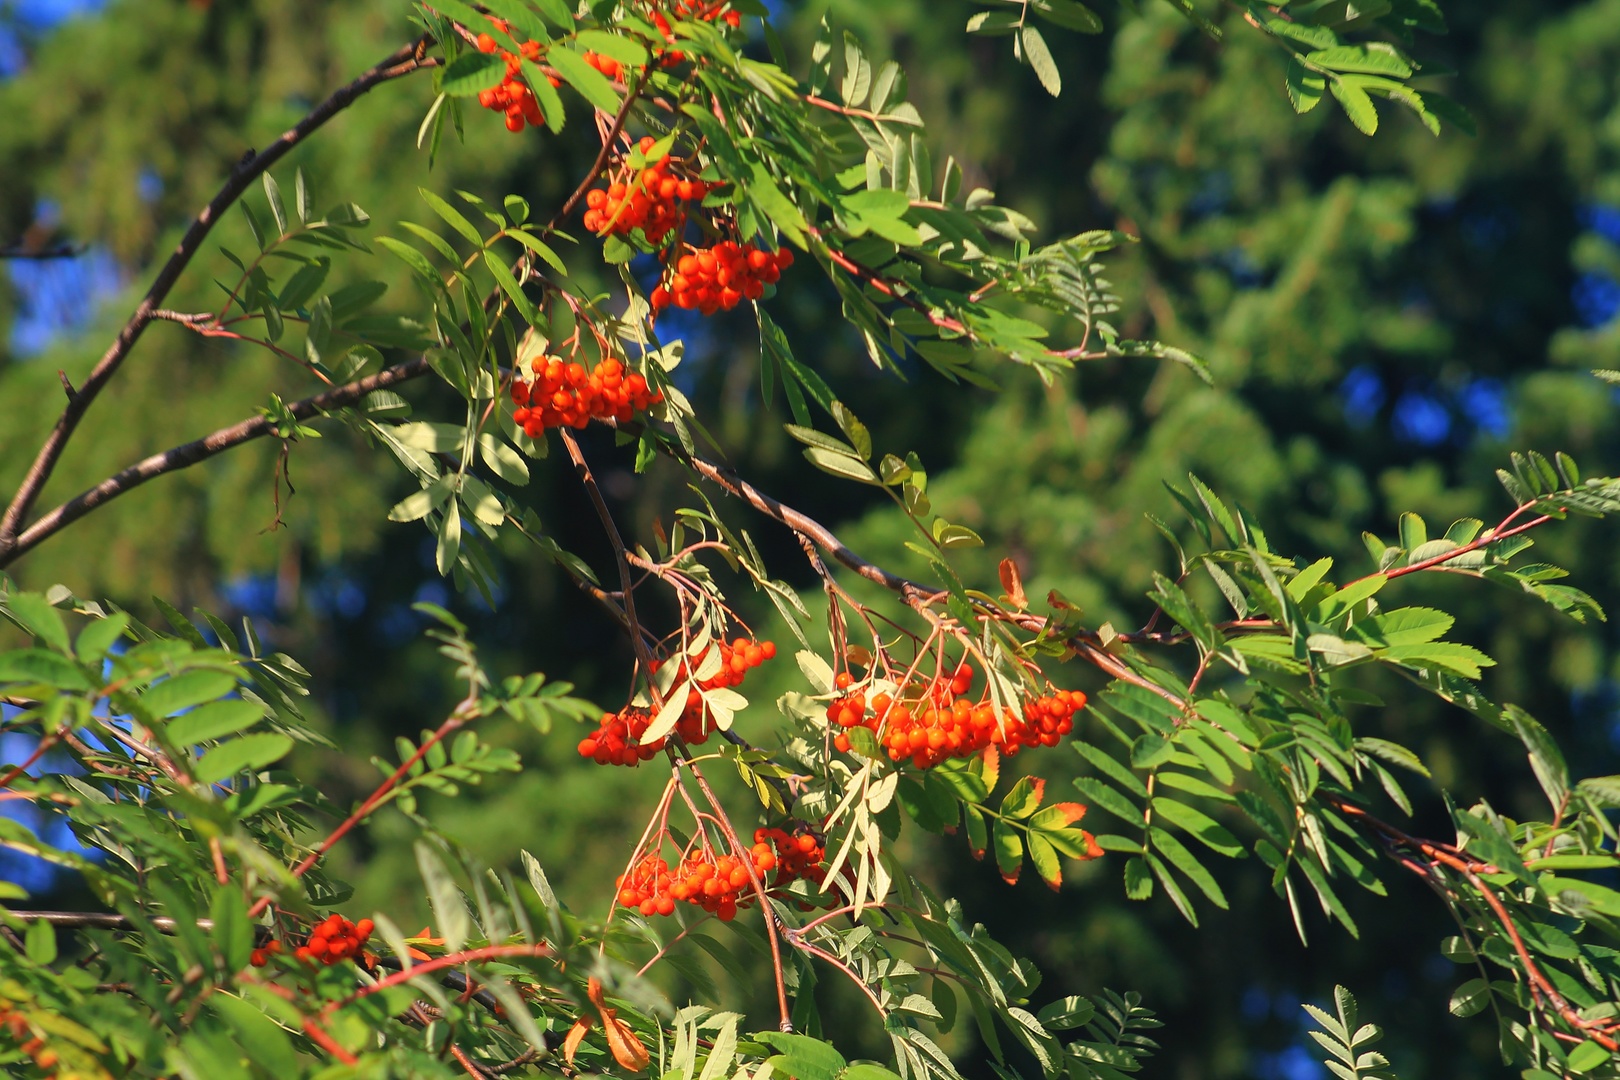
723	174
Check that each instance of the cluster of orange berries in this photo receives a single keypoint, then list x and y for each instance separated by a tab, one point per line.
606	65
940	723
333	940
706	10
648	200
618	740
721	277
513	96
798	855
721	884
16	1024
715	883
261	956
565	394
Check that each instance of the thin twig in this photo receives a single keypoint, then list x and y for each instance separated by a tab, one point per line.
191	453
620	558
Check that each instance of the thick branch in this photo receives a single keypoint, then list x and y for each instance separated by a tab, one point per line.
200	450
404	61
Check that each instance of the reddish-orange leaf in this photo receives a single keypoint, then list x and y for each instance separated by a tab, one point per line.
1013	583
1072	812
576	1035
623	1044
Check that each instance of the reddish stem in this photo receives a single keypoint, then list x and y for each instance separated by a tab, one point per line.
447	728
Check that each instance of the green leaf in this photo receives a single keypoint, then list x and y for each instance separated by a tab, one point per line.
39	618
857	73
522	17
782	211
232	933
471	72
592	85
502	460
450	916
39	666
1172	889
214	720
802	1057
622	49
1206	829
1009	850
257	1036
877	203
1184	860
40	942
1109	799
1470	998
448	546
1364	58
278	209
552	259
99	636
1546	759
1069	15
1040	58
1464	660
1138	878
851	468
509	285
186	690
1586	1057
1045	858
1403	626
452	217
250	753
1023	800
1356	104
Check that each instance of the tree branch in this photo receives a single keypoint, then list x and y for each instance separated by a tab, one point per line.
402	62
199	450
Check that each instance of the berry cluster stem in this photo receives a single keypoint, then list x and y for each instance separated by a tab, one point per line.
457	720
678	760
620	557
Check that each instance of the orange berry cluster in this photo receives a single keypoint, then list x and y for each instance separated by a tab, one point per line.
649	200
940	722
262	956
721	277
715	883
798	855
335	939
16	1024
618	740
721	884
606	65
706	10
565	394
513	96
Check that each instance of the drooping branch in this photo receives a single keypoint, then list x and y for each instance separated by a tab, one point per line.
403	61
1422	855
